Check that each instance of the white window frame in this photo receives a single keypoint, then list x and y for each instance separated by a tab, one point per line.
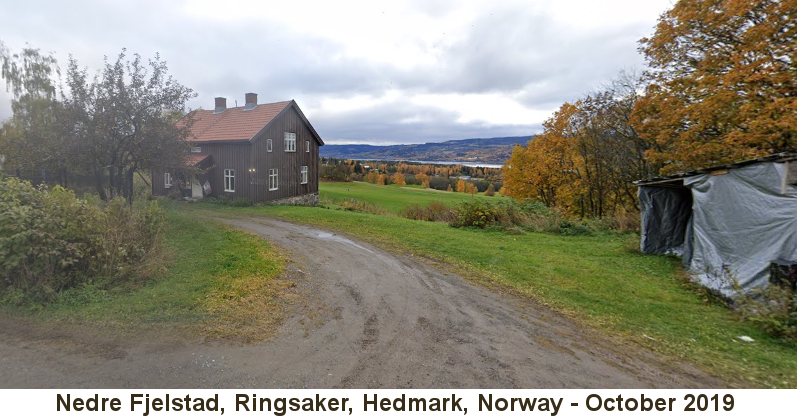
167	180
304	174
290	142
273	179
196	149
229	180
268	145
307	143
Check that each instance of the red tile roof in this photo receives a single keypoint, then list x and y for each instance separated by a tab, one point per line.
233	123
194	159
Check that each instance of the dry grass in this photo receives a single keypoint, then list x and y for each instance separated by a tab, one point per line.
247	300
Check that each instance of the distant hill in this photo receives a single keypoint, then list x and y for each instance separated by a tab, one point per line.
493	151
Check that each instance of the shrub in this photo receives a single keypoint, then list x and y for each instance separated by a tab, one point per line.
433	212
222	200
51	241
569	228
773	309
479	213
240	202
354	204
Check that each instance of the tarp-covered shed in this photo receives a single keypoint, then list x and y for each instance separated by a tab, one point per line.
731	224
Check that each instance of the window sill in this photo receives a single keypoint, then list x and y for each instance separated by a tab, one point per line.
229	190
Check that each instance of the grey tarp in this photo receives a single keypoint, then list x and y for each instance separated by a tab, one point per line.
665	216
742	221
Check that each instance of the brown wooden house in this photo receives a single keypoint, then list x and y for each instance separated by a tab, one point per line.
262	152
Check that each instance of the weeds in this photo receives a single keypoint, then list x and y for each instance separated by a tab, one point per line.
353	204
433	212
772	308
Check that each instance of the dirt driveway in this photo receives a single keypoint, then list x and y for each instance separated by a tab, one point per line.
377	321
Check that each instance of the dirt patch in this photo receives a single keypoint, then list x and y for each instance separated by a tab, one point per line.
374	320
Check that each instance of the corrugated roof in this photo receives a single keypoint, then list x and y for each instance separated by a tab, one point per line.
777	157
232	124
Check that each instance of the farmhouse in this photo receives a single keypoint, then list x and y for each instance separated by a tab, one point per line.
261	152
730	223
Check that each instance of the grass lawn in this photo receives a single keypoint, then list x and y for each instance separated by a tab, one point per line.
599	281
386	197
213	286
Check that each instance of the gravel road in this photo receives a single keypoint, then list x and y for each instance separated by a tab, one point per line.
373	320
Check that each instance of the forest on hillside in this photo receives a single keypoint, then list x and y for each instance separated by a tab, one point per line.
489	151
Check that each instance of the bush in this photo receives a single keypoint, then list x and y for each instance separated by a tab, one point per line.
569	228
51	241
241	202
222	200
773	309
433	212
475	213
354	204
516	216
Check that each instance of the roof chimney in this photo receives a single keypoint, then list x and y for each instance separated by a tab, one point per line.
221	105
251	101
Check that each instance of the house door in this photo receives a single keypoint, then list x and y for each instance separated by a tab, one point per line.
196	189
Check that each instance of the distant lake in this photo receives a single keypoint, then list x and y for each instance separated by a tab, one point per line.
443	162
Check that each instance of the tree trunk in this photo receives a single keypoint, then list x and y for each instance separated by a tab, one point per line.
98	181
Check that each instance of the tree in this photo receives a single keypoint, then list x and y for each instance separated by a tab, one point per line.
398	178
120	121
584	161
423	179
113	125
723	82
29	139
547	169
461	185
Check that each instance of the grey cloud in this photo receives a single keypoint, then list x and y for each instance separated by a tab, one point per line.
383	124
516	52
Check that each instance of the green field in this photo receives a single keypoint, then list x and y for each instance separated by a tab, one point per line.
600	281
387	197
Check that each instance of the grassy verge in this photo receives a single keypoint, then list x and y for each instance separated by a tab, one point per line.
596	280
387	197
221	283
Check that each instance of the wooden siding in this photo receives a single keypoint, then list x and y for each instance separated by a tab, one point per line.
245	156
288	164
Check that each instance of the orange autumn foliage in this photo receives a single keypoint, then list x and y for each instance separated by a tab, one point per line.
547	169
723	83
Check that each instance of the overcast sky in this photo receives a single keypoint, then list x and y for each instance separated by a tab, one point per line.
362	72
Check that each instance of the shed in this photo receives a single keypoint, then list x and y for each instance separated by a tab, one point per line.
731	224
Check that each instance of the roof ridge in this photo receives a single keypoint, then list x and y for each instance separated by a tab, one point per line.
236	123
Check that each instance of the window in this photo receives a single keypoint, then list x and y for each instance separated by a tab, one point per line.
307	144
290	142
229	180
304	174
273	182
268	145
196	149
167	180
